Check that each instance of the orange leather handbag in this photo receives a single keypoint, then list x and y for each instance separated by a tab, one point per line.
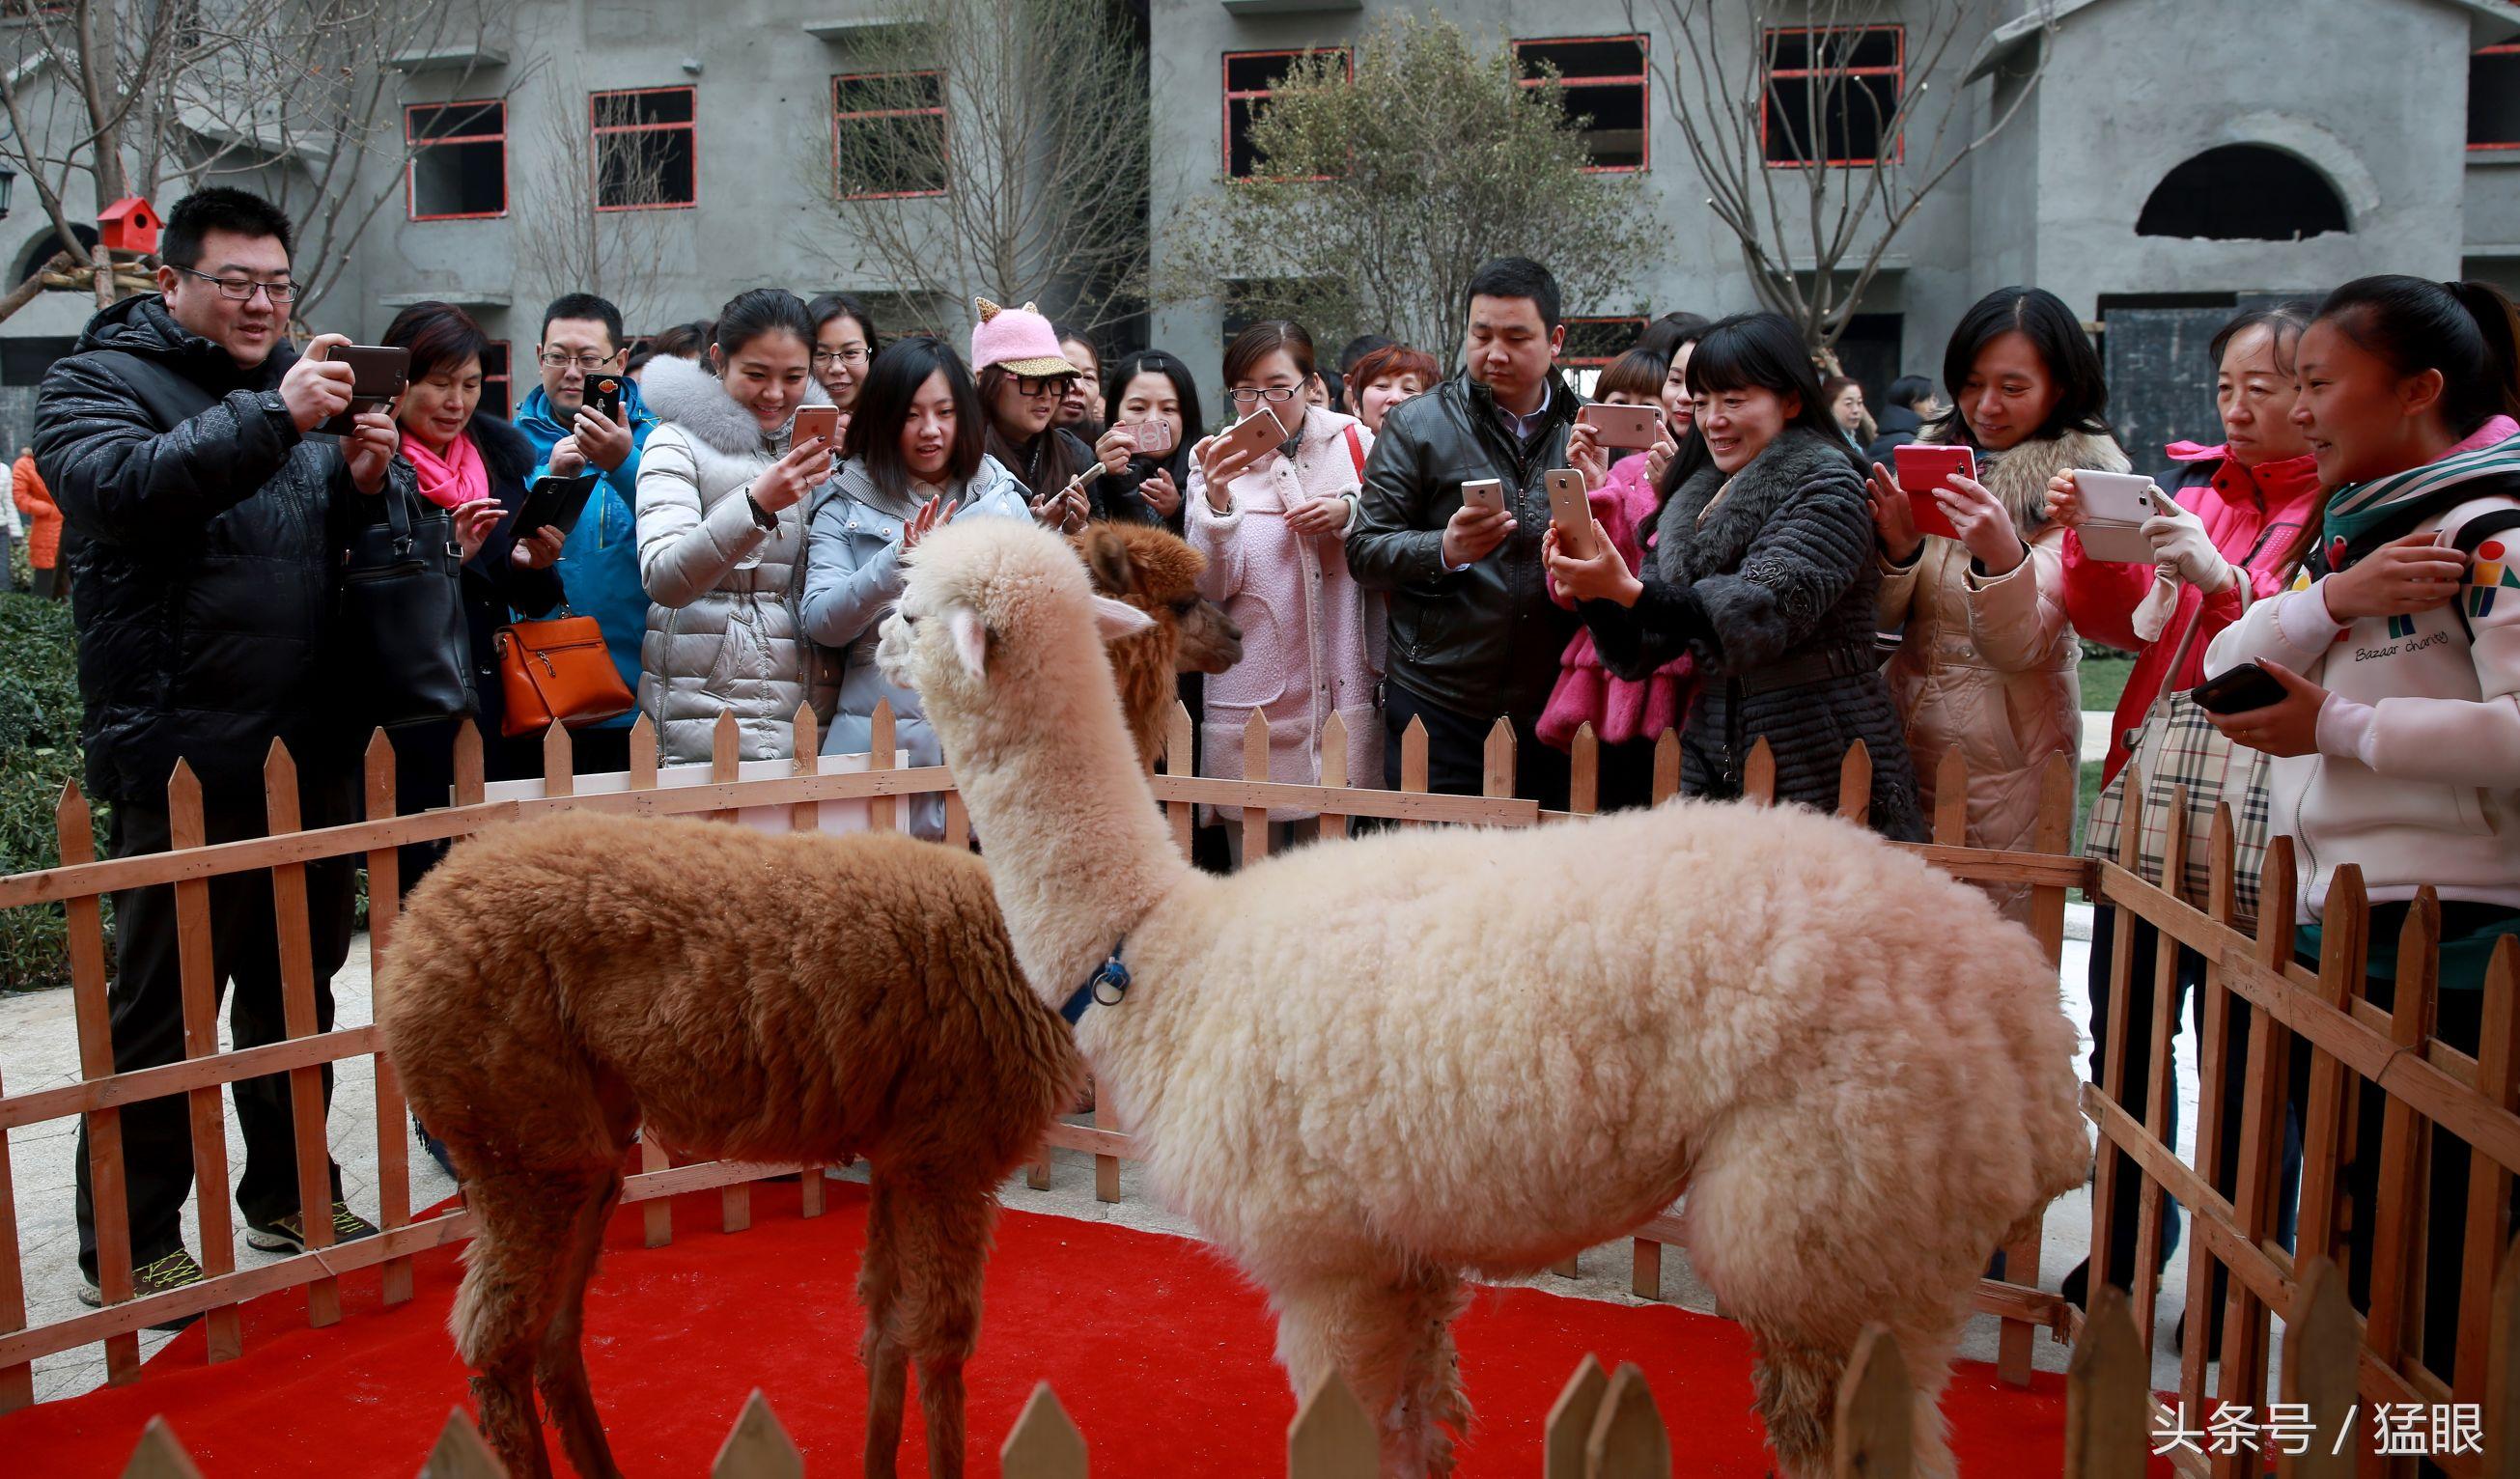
557	670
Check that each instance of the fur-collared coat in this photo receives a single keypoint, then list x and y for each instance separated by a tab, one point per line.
723	634
1767	578
1987	666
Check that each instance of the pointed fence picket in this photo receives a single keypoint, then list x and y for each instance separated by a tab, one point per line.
2442	1104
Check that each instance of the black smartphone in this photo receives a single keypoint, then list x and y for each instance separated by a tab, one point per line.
2243	689
603	395
555	503
378	374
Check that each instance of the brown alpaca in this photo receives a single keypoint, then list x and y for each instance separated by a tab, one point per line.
557	983
1158	574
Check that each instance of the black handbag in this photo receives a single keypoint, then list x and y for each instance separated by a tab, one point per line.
403	645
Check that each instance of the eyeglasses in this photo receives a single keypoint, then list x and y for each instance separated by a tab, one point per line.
1278	394
1041	384
242	290
555	360
851	354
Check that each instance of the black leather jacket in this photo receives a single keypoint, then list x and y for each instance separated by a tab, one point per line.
1486	641
196	533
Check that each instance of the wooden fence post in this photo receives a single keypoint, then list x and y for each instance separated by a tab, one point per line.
1571	1420
2160	1084
726	764
2323	1355
1855	785
2115	1065
2212	1077
882	741
385	910
1332	1436
2398	1271
1334	775
1044	1443
2489	1186
1412	760
2054	836
1628	1439
460	1453
212	1193
2108	1394
159	1454
1950	800
2265	1085
2499	1387
1254	820
560	761
306	1109
2324	1149
757	1447
1759	774
75	825
1583	772
1180	748
1874	1434
660	1213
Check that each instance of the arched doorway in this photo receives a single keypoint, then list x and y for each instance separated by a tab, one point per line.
2243	193
41	250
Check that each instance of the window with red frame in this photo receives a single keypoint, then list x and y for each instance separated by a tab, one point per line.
495	398
1593	342
2493	98
647	149
459	161
1604	85
888	134
1250	78
1832	94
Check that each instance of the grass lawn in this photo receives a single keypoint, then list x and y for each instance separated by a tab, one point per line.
2104	680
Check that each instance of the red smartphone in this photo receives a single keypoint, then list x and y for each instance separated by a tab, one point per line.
1924	468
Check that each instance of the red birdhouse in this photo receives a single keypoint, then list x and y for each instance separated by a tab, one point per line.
128	225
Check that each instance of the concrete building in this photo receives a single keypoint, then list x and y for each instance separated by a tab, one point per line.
2160	173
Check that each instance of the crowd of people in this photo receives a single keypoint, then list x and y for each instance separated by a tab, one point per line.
1762	570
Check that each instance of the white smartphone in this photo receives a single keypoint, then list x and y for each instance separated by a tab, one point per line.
2116	505
1571	511
1484	493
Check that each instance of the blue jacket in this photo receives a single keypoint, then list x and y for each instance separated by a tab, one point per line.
599	562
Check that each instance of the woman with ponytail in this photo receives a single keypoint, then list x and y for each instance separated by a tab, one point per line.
2397	744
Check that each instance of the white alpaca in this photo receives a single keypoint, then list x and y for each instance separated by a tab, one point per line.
1369	1068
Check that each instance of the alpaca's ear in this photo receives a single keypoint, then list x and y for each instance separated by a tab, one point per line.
1107	557
1117	618
970	640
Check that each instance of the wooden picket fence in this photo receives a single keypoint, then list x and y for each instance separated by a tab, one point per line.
2115	1413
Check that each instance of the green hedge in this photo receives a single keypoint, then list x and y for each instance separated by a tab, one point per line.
39	754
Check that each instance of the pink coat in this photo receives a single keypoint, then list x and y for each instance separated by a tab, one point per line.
1618	710
1312	639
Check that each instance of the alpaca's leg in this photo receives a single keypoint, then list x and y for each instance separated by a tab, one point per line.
512	1290
887	1361
1391	1340
943	1227
561	1368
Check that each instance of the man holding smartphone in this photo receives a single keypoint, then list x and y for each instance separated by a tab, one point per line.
599	562
1473	632
175	438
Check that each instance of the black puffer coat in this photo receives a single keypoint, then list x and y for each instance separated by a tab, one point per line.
1773	592
1487	640
201	537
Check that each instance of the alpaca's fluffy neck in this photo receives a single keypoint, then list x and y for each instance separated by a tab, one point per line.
1075	844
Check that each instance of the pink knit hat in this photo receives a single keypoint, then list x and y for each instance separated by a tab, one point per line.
1019	338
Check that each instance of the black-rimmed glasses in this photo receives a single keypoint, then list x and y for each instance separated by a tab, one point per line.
552	359
1274	394
848	354
242	289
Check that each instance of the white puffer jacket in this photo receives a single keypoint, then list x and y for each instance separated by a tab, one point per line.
722	631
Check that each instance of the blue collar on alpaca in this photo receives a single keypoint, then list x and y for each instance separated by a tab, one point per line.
1107	984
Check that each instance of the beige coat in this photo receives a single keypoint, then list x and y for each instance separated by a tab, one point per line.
1986	667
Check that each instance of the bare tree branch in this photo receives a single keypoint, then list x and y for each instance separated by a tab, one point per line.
1842	215
618	253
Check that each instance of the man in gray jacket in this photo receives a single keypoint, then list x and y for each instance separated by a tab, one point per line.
1474	632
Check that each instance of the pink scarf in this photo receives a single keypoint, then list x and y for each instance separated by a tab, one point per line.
459	478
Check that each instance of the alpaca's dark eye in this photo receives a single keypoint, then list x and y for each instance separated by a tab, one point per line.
1185	605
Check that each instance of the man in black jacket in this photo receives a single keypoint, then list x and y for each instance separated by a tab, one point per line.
1474	632
199	551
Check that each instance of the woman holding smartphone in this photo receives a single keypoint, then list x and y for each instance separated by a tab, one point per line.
1023	376
2228	540
721	532
1271	523
1764	576
913	459
1985	666
1153	402
2397	742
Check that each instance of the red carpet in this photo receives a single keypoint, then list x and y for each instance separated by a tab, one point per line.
1159	1351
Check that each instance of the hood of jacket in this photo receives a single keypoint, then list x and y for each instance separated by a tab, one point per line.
684	393
2019	474
143	328
1798	458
